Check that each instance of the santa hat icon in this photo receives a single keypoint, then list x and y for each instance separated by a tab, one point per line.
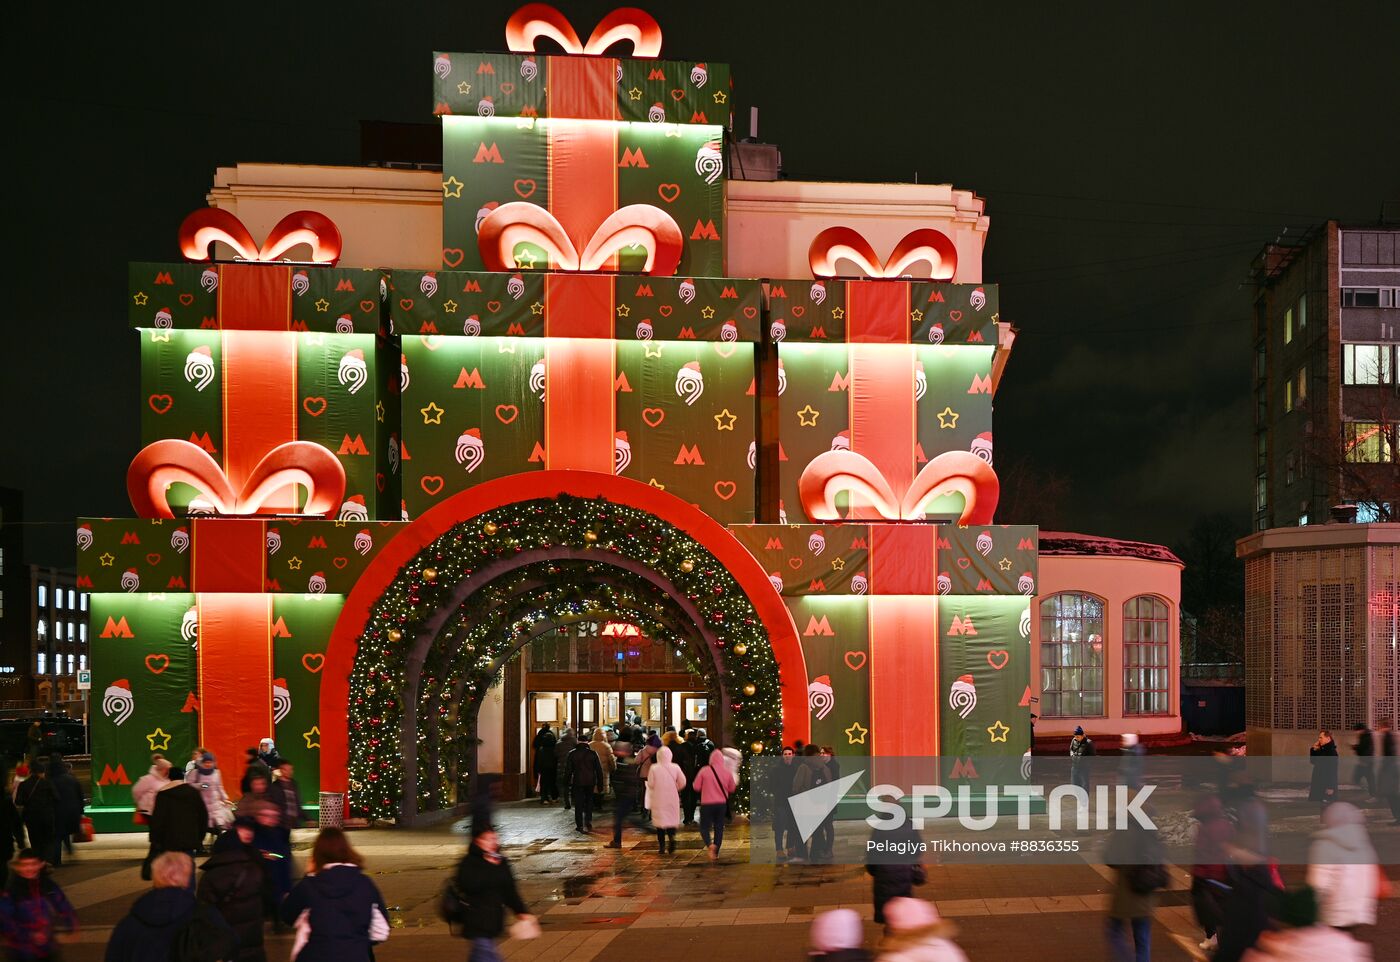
131	571
319	574
357	499
121	683
693	366
203	349
472	433
403	358
622	436
357	354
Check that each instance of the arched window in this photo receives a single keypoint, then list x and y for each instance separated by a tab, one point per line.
1071	656
1146	656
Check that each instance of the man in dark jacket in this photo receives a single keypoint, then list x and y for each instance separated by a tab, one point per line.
11	825
233	883
166	915
1388	774
179	819
482	890
627	784
39	807
583	773
544	767
687	756
70	804
285	794
1365	776
896	877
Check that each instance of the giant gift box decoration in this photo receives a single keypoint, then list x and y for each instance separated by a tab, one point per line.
295	415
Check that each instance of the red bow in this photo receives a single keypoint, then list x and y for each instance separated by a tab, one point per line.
209	224
162	463
952	472
925	244
519	222
536	20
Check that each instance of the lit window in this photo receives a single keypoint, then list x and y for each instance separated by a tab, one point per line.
70	664
71	603
41	664
1302	311
43	595
58	598
42	629
70	631
82	601
1303	520
1302	384
1288	395
1366	364
1071	656
1261	492
1368	442
1288	326
82	662
82	632
1146	657
1370	512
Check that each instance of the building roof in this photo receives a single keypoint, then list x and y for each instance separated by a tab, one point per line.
1063	543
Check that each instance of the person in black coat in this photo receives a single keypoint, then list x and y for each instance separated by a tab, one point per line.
1365	775
483	889
179	818
1388	772
1323	755
344	913
544	766
70	803
583	774
166	914
895	875
38	804
11	825
233	883
1245	908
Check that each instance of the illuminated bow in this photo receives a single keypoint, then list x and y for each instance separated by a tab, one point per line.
536	20
209	224
162	463
952	472
522	223
925	244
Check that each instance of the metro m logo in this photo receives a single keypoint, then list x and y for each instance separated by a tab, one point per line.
817	626
116	629
488	155
980	384
689	455
633	157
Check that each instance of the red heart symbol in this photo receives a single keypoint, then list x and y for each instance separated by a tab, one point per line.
653	416
798	310
507	409
669	192
493	306
431	483
379	481
665	310
367	306
313	662
955	315
726	489
187	299
507	87
998	658
751	312
855	660
452	256
153	559
524	188
153	660
678	94
794	562
406	303
160	403
964	563
340	562
314	406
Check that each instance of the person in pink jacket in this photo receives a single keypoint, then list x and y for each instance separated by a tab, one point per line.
664	783
715	783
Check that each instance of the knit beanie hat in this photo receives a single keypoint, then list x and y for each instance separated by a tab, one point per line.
906	914
836	930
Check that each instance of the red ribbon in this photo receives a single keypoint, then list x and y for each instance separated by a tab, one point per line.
235	676
625	24
844	243
202	228
580	370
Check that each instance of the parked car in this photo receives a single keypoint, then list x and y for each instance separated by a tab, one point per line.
61	734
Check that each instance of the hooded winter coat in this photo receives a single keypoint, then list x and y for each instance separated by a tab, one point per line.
933	944
148	931
715	782
178	818
339	901
486	889
210	783
1342	868
664	783
143	793
606	761
232	882
1308	945
1324	773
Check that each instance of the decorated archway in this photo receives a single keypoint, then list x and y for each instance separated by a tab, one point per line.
444	605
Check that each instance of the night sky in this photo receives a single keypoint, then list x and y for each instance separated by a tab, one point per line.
1134	158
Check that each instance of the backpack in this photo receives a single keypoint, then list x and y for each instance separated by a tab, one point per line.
204	938
1143	879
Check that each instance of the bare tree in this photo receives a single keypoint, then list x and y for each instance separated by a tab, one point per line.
1357	458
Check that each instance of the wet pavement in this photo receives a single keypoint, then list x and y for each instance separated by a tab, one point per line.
597	903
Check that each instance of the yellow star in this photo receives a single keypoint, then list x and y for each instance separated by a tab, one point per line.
657	484
998	731
1004	564
432	414
505	345
159	740
293	563
838	564
916	315
452	187
379	411
526	259
947	418
855	735
721	97
651	349
140	298
623	310
838	312
313	737
160	337
537	308
341	522
635	93
323	305
449	306
107	559
724	421
808	412
707	312
464	88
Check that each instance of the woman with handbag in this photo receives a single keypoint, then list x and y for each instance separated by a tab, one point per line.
338	912
478	895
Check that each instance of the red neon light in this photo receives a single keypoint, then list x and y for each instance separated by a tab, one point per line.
161	463
205	226
845	243
952	472
522	223
535	20
621	629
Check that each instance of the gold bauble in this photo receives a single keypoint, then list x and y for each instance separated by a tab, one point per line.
590	536
756	748
750	689
740	649
687	566
430	574
395	635
489	528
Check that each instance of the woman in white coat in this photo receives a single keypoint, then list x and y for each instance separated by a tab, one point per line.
664	783
1342	868
206	777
